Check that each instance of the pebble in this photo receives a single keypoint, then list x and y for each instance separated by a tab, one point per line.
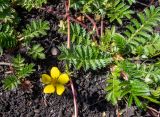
55	51
36	110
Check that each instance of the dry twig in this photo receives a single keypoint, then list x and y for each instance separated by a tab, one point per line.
5	64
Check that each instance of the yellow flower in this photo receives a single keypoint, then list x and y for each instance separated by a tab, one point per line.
55	82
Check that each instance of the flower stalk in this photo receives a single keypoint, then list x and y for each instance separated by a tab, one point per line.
68	22
68	46
74	99
102	25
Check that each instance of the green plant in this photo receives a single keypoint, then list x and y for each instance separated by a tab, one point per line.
139	32
151	46
88	57
131	1
30	4
139	38
132	81
134	76
113	9
21	71
156	92
7	13
37	52
113	42
118	11
114	88
9	37
78	34
128	81
36	28
11	82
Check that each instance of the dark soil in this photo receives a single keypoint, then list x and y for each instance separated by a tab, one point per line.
33	103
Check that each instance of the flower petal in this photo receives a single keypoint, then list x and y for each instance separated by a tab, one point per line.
63	78
55	72
49	89
60	89
46	79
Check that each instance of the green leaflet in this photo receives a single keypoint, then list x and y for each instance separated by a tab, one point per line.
114	90
36	52
7	13
36	28
135	86
151	47
88	57
7	41
26	71
79	35
22	71
118	11
7	37
156	92
10	82
131	1
115	10
139	33
30	4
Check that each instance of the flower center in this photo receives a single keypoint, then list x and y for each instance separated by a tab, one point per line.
53	81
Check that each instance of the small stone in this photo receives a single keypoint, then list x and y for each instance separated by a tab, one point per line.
1	69
78	81
104	114
36	110
55	51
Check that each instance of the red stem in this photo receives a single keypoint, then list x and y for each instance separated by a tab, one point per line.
117	111
77	21
68	46
151	2
71	18
94	24
68	22
74	99
154	110
50	10
102	26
